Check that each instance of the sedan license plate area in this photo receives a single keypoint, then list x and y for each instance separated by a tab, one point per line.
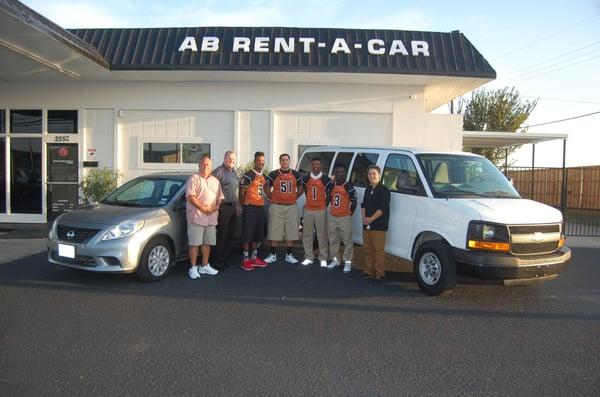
66	251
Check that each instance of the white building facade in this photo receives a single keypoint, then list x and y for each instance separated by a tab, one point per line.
146	100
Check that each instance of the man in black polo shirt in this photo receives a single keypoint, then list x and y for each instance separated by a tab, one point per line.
230	207
375	210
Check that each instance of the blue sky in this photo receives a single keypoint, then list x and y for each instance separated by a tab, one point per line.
546	49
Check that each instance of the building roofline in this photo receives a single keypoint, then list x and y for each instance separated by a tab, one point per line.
45	26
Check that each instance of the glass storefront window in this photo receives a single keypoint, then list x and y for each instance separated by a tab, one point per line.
2	121
26	175
161	152
26	121
2	175
193	152
62	121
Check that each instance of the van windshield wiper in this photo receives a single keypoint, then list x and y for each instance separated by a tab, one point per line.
500	194
460	192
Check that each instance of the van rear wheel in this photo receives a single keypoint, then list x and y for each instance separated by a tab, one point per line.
434	268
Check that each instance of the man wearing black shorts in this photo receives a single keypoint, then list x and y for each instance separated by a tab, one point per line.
253	213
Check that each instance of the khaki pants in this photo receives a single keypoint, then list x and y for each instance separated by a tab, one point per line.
283	222
374	249
340	230
315	219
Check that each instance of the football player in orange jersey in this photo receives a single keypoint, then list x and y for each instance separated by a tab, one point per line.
283	190
316	186
252	187
342	197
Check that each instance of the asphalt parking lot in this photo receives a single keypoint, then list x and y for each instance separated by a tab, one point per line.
291	330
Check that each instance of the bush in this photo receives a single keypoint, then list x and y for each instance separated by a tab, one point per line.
98	183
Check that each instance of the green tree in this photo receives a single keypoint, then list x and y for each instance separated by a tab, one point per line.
495	110
98	183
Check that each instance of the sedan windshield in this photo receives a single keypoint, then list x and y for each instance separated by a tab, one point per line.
144	192
459	176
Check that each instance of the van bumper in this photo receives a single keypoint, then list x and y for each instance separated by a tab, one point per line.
499	266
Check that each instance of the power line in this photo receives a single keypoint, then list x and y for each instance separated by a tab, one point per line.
555	70
518	71
521	75
551	35
567	119
561	100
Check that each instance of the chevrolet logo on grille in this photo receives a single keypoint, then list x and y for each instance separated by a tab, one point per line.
70	234
537	237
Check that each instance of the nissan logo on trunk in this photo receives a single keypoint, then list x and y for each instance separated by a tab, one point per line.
70	234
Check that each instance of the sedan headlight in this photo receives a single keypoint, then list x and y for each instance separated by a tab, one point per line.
124	229
52	231
488	236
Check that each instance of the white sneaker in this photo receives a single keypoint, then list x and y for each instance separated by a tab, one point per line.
323	263
347	266
193	273
290	258
271	258
208	269
307	262
333	264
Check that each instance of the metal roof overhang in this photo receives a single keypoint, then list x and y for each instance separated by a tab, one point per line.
32	48
495	139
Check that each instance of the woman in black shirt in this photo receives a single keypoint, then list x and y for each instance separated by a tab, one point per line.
375	210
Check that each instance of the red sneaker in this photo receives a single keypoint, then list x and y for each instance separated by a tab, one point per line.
247	265
257	262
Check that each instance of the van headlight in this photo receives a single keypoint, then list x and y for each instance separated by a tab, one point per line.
124	229
488	236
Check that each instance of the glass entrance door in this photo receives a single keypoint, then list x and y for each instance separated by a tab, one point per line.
26	176
63	180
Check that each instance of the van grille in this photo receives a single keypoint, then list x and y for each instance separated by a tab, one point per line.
526	233
534	248
530	229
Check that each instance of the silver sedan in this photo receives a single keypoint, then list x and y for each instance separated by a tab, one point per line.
140	227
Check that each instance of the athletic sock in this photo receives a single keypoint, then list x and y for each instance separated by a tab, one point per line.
289	250
245	254
254	254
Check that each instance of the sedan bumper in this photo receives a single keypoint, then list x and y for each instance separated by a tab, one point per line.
118	256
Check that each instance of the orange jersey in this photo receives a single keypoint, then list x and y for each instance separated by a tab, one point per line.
284	186
254	188
341	199
316	192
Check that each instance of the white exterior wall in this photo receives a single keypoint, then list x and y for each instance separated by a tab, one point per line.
245	116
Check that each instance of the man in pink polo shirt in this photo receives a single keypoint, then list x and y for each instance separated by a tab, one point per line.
204	195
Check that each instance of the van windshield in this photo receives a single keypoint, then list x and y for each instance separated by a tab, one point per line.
144	192
459	176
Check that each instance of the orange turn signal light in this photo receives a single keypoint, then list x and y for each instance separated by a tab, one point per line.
489	245
562	241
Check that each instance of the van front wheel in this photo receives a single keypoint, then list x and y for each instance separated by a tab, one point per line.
434	268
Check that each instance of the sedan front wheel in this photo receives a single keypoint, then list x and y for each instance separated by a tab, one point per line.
156	260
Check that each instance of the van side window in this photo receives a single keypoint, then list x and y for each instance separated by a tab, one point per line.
400	175
344	159
326	158
358	176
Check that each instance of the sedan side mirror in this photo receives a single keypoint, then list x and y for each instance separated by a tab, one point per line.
180	204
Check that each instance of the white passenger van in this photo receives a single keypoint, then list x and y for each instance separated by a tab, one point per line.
454	212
